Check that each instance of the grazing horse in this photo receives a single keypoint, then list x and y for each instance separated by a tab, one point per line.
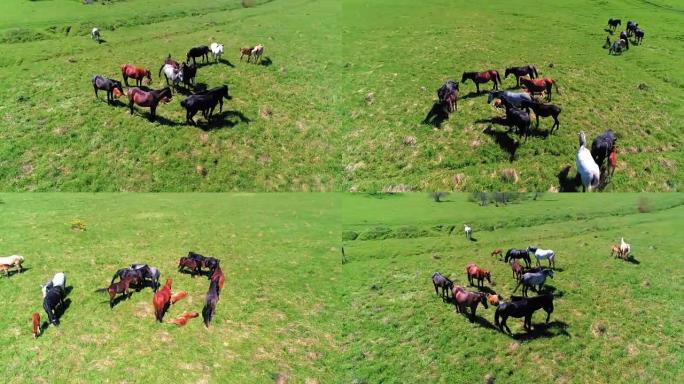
482	77
13	261
53	298
161	300
498	252
541	254
95	35
638	36
35	317
220	93
617	47
201	51
463	299
210	302
175	74
183	319
218	275
178	296
137	73
246	52
517	72
512	98
204	261
616	251
441	281
631	27
613	23
448	96
468	231
257	51
58	280
122	287
128	273
149	273
479	274
149	99
216	51
623	36
543	110
539	85
517	269
518	254
113	87
532	279
523	307
192	264
494	299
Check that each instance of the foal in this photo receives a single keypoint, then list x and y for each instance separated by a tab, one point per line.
543	110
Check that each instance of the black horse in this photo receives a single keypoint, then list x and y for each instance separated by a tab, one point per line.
150	275
518	254
448	96
220	93
188	73
613	23
210	302
623	36
528	70
543	110
518	118
109	85
54	298
631	27
602	146
123	273
195	103
439	280
638	36
522	307
201	51
205	261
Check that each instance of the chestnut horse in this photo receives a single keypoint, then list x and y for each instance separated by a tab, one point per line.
183	319
137	73
149	99
539	85
616	251
218	275
36	324
122	287
498	252
246	52
463	299
517	269
178	296
475	272
482	77
161	300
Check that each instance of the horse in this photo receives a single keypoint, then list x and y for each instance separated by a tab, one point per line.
175	74
58	280
517	72
494	299
623	36
512	98
447	95
183	319
178	296
218	275
13	261
589	171
204	261
122	287
541	254
517	269
53	298
616	251
602	146
530	279
137	73
95	35
246	52
543	110
522	307
498	252
518	118
482	77
468	231
35	318
5	269
518	254
195	103
475	272
210	302
612	160
539	85
201	51
617	47
463	299
631	27
625	247
192	264
441	281
220	93
638	36
216	51
257	51
113	87
188	73
128	273
149	99
161	300
150	273
613	23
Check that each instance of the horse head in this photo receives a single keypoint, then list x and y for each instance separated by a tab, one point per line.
483	299
464	77
487	275
548	272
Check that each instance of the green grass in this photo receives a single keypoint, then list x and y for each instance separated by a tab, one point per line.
56	136
615	321
401	51
276	315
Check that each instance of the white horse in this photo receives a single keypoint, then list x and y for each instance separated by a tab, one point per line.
586	166
468	231
625	248
95	35
14	261
257	51
58	280
542	254
216	51
172	73
513	98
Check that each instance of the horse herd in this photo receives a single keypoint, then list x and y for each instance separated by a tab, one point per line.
204	101
622	43
134	277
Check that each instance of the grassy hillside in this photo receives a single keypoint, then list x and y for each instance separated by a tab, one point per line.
276	317
277	133
398	52
614	321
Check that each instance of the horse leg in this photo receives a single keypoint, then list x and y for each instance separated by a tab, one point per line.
153	109
528	322
472	312
436	291
477	85
130	105
95	88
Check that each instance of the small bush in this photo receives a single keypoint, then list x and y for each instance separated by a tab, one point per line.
78	225
376	233
409	232
437	196
349	236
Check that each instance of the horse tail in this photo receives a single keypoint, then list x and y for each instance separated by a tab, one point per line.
102	289
534	69
497	76
160	70
553	82
208	312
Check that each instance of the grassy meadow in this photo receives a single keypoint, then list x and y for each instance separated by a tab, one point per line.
397	53
614	321
276	319
276	135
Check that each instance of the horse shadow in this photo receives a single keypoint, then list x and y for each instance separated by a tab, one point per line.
486	289
473	239
164	121
185	91
119	299
436	116
266	62
484	323
543	330
223	120
61	309
608	30
470	95
631	259
226	62
199	87
506	142
567	183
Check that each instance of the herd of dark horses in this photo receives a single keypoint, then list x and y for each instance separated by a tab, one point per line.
622	43
530	278
137	277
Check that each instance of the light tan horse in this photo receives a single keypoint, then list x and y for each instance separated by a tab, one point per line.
12	261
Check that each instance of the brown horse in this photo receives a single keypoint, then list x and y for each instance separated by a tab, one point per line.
463	299
497	251
612	160
5	269
192	264
149	99
178	296
616	251
482	77
183	319
475	272
119	288
517	269
539	85
218	275
137	73
494	299
161	301
246	52
36	324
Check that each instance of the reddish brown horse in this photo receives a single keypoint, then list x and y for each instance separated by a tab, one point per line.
161	301
539	85
517	269
482	77
218	275
178	296
612	160
183	319
477	273
463	299
36	324
498	251
137	73
192	264
149	99
122	287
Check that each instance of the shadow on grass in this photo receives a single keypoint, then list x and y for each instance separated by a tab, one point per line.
566	183
543	330
266	62
436	116
14	272
61	309
226	62
223	120
502	139
470	95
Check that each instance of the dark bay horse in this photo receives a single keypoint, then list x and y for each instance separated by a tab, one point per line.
518	118
113	87
137	73
219	93
518	254
517	269
476	273
463	299
482	77
218	276
539	85
201	51
188	263
195	103
149	99
54	298
517	72
210	302
441	281
149	274
448	96
631	27
122	287
543	110
638	36
188	73
613	23
522	307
